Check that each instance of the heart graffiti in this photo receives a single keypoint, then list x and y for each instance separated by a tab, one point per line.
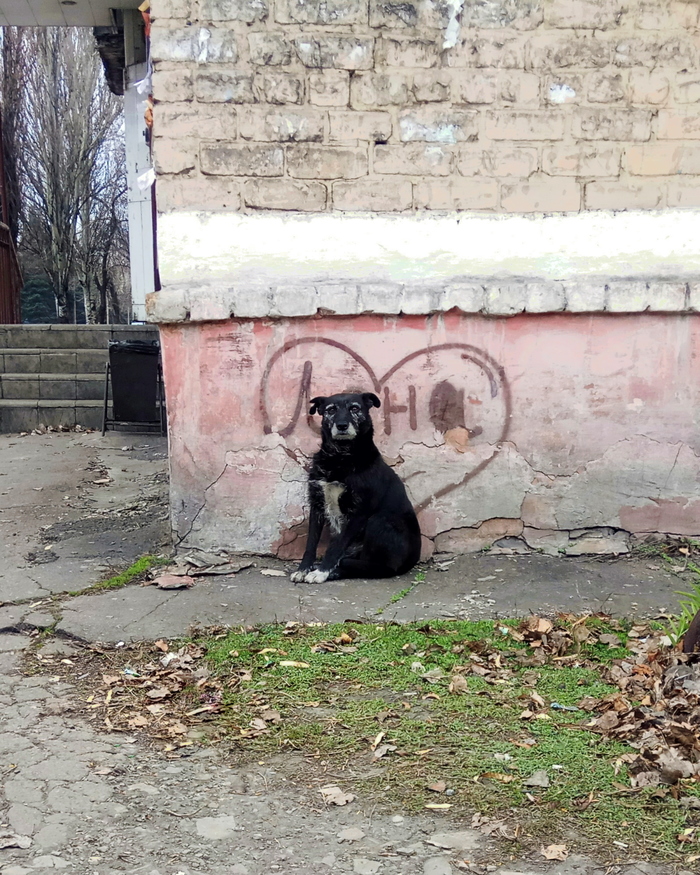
446	386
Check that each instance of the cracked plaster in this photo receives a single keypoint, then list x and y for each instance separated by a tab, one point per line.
576	424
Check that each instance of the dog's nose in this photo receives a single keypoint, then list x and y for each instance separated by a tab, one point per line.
342	426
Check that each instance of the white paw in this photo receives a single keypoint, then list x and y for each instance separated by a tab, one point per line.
317	576
298	576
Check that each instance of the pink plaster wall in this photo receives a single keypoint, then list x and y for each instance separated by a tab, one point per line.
530	426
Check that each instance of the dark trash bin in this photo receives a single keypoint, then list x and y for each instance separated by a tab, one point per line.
135	376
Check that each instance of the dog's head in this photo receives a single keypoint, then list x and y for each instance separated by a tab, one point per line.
345	416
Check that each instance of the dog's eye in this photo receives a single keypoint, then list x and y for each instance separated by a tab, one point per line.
331	408
354	407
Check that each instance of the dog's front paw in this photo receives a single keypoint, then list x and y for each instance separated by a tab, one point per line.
317	576
298	576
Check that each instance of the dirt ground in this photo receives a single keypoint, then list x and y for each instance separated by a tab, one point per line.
76	507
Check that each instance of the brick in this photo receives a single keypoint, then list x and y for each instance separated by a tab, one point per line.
189	120
585	297
456	194
174	156
367	194
563	89
343	53
174	9
233	10
283	194
326	162
273	86
635	297
370	90
281	125
662	159
269	49
429	88
477	88
173	44
683	193
625	195
687	87
519	88
694	297
414	159
385	13
348	126
502	52
547	52
329	87
223	86
678	125
408	52
437	125
589	14
677	53
523	15
198	193
340	298
524	125
605	87
541	194
505	299
648	86
321	11
611	124
216	45
172	85
168	305
497	161
231	159
467	297
544	297
581	160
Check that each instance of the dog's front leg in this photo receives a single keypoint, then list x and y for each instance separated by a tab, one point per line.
316	520
351	532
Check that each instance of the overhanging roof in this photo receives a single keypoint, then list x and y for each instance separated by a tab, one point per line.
48	13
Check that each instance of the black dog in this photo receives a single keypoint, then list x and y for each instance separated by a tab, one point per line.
374	529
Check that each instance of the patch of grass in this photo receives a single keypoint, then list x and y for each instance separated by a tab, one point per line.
133	572
343	702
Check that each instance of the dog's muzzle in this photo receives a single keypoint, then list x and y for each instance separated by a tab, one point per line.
343	432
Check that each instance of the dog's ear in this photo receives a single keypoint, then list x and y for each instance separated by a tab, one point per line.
317	404
371	399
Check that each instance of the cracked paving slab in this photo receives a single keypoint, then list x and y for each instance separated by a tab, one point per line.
475	586
62	527
84	800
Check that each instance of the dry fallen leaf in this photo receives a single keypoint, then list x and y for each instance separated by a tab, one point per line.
292	663
438	806
555	852
273	572
458	684
333	795
162	644
438	787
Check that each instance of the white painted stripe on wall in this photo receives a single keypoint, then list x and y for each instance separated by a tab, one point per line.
216	247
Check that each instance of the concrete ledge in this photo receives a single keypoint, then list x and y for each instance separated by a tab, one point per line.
214	302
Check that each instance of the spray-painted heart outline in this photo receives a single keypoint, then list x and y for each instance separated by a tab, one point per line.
477	356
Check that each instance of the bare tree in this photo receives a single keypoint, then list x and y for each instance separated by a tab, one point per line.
71	186
12	83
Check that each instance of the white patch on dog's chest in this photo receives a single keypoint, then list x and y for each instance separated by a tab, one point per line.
331	496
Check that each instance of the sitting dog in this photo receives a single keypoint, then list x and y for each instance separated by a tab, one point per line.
374	529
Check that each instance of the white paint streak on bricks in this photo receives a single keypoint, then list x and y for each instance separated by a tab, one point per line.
277	247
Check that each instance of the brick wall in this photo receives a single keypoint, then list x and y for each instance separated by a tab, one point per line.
393	105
